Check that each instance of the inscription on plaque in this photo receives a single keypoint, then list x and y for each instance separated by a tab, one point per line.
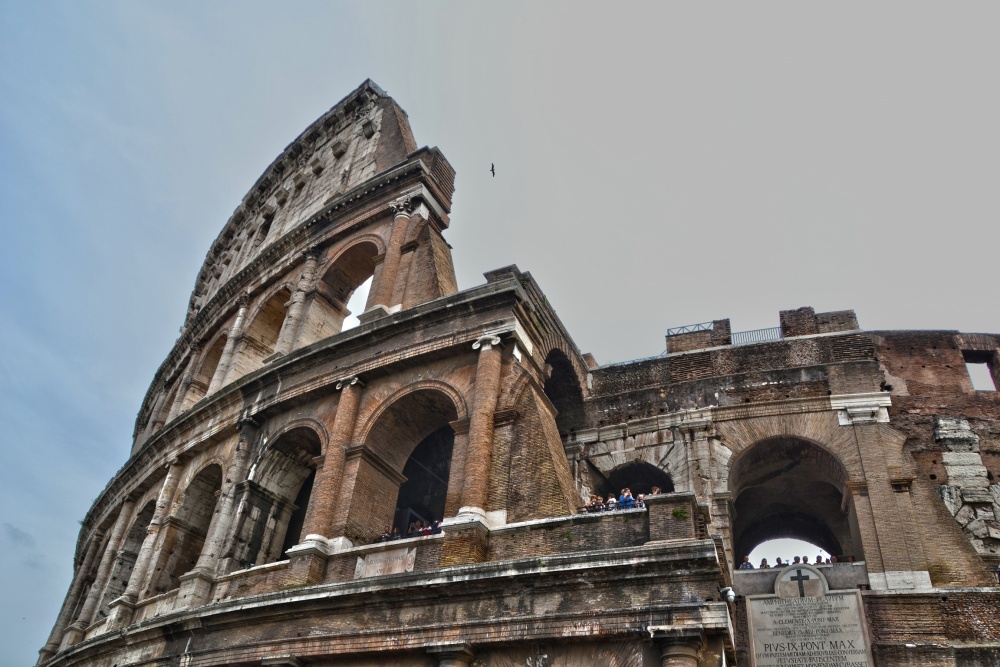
804	623
393	561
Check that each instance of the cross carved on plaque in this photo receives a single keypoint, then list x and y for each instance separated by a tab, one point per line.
800	578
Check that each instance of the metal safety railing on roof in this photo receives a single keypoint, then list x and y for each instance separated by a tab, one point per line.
691	328
756	336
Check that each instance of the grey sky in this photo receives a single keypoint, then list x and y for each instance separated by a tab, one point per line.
657	165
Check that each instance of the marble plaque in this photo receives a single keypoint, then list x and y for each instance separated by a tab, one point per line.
804	623
393	561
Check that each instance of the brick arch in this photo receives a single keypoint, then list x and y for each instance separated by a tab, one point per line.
303	422
787	486
346	246
457	400
402	466
564	390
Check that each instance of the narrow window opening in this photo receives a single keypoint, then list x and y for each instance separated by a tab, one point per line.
979	373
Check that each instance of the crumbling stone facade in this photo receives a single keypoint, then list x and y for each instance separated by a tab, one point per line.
274	448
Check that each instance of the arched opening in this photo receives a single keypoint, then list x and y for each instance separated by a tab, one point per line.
262	335
422	496
349	276
202	380
121	571
563	389
405	464
187	529
786	487
787	550
639	477
273	501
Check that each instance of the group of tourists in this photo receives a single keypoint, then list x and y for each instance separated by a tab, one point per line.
624	501
804	560
415	529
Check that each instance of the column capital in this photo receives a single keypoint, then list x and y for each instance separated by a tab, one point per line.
486	342
452	655
311	253
402	206
350	381
243	300
678	646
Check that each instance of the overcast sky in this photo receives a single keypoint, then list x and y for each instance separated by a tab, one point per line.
657	165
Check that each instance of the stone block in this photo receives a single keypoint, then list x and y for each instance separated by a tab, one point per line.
955	434
978	496
961	459
951	495
968	477
965	514
978	527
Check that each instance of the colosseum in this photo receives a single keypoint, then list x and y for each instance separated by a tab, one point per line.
416	490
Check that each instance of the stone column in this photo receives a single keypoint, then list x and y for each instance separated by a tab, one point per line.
295	317
153	414
480	450
122	608
178	405
390	265
235	335
324	506
452	655
196	584
679	648
76	631
72	598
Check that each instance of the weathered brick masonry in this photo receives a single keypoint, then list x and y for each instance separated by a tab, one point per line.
274	448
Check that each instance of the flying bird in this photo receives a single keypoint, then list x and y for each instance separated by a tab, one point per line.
493	170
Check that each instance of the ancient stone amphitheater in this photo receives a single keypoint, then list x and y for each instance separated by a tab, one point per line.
275	447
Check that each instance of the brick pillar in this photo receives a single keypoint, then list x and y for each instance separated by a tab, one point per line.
292	325
76	631
390	265
122	608
679	648
898	571
234	337
324	509
72	598
480	449
178	405
196	584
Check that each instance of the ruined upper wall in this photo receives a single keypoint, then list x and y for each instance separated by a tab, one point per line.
364	134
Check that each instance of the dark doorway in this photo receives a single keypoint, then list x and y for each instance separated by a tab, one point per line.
422	496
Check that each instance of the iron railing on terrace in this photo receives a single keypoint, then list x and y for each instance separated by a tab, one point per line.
756	336
691	328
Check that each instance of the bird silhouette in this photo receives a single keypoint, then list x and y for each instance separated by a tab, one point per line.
493	170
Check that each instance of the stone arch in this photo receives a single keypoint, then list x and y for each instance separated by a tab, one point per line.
274	499
402	469
121	571
791	487
201	380
564	390
187	528
337	279
261	334
640	477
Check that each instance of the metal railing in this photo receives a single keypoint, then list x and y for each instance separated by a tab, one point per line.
691	328
756	336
